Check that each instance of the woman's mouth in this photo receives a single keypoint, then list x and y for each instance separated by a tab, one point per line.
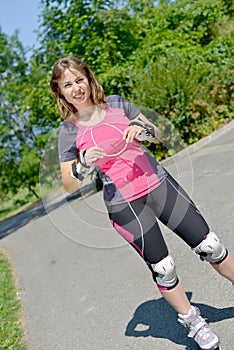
79	97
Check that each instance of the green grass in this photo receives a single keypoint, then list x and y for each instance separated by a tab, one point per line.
22	200
11	329
14	203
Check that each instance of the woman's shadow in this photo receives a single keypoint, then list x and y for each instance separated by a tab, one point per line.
156	318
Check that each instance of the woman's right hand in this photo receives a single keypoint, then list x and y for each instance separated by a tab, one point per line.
92	154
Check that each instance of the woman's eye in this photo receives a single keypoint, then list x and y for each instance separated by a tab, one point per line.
67	85
79	80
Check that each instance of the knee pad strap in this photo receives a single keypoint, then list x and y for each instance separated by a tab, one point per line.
165	274
211	250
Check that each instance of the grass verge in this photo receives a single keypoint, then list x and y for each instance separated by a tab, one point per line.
11	328
16	203
22	200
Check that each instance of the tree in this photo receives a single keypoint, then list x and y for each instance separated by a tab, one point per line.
175	57
22	132
184	65
12	123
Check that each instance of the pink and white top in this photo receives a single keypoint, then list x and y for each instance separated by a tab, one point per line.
127	171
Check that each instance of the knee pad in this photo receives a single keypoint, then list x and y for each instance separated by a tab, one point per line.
165	274
211	250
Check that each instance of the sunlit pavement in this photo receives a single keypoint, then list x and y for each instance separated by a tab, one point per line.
84	288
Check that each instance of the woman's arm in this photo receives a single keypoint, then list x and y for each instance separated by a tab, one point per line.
72	176
157	132
134	131
69	183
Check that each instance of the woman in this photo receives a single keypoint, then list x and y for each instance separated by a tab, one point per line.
104	134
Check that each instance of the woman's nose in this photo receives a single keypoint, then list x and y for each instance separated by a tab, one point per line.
76	87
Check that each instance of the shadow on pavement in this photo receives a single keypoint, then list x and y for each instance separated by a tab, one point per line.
156	318
38	210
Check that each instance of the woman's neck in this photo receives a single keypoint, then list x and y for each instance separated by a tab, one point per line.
91	115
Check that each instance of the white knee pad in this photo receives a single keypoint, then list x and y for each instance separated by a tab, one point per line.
165	273
210	249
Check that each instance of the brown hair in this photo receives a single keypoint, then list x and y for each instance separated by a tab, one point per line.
97	94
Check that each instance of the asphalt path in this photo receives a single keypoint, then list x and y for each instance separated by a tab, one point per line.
84	288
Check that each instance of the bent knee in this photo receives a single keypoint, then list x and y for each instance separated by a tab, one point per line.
211	249
164	273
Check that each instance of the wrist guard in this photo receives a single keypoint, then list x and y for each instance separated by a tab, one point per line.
81	169
148	132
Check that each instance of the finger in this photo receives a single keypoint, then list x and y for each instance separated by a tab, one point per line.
99	149
125	133
92	156
94	149
129	137
133	132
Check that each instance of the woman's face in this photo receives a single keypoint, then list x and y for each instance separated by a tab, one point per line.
74	86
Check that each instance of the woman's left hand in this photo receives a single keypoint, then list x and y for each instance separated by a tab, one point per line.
131	132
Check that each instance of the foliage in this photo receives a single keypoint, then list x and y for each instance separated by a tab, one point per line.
12	123
174	59
187	75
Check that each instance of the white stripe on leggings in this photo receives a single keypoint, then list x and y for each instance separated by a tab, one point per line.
182	195
142	233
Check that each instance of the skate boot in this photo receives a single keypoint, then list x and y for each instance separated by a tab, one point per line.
199	330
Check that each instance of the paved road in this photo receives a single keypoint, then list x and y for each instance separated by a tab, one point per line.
83	288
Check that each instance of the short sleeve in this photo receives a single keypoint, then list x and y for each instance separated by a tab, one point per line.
116	101
67	142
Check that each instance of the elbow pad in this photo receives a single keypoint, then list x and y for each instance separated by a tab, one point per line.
148	132
80	170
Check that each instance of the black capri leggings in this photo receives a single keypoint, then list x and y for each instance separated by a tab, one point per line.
137	222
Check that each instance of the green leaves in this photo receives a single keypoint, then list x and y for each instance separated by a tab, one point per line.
174	57
184	73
